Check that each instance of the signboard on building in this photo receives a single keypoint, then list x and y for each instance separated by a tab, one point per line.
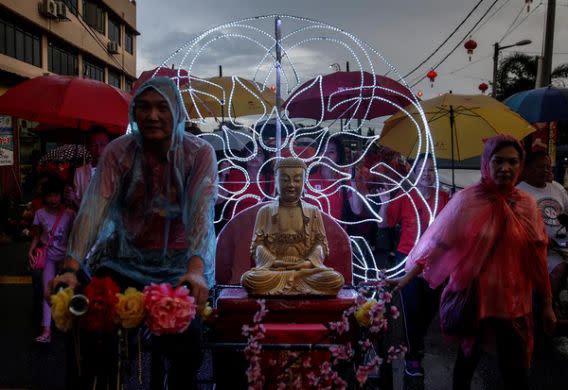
6	141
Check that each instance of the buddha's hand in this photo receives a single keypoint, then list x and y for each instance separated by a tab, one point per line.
306	264
278	264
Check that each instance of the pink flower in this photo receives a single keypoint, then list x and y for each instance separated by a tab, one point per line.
341	352
365	344
340	326
168	310
394	312
259	315
253	349
362	374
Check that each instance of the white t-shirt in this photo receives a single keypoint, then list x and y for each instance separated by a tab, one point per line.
552	200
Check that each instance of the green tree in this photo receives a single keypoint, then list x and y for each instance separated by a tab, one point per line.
518	71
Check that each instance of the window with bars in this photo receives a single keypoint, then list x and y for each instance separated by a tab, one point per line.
94	15
93	71
62	61
129	42
114	78
114	30
18	42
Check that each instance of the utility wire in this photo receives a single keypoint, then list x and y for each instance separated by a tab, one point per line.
491	17
446	40
525	18
470	64
459	43
512	24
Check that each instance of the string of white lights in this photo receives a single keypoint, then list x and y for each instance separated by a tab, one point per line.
355	101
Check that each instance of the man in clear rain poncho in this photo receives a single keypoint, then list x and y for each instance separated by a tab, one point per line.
147	216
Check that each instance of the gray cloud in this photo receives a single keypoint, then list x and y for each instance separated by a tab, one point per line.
404	31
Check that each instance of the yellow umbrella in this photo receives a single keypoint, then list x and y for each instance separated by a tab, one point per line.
227	96
458	124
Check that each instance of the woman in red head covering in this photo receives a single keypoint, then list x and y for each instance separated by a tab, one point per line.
489	240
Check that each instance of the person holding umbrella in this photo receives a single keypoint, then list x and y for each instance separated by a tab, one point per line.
491	244
149	209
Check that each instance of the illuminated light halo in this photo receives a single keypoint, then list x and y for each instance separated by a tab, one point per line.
301	36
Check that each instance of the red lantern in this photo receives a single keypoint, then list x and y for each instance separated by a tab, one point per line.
432	76
528	3
483	87
470	46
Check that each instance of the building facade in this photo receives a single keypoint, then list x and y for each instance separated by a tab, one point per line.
86	38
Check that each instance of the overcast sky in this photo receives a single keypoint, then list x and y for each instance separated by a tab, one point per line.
403	31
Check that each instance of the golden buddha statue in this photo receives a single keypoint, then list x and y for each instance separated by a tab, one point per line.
289	243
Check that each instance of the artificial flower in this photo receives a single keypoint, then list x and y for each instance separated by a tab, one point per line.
130	308
206	312
101	316
60	309
363	313
168	310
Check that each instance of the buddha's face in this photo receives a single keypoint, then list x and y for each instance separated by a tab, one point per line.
290	183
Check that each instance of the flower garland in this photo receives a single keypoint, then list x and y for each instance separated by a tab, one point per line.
165	309
370	315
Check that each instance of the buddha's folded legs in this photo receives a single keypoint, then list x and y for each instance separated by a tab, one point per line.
314	281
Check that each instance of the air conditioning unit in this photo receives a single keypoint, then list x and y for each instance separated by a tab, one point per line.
48	8
61	10
112	47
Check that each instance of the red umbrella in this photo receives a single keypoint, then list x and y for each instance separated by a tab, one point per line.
69	102
341	91
161	71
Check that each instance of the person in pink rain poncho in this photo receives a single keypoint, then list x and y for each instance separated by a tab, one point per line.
490	235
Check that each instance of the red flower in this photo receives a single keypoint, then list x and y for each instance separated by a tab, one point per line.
101	316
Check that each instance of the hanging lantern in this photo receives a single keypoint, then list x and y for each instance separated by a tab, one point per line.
432	76
470	46
419	94
483	87
528	3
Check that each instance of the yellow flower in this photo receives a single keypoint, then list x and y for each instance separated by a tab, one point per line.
206	312
130	308
60	309
362	314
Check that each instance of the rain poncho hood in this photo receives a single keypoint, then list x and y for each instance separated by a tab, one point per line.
144	215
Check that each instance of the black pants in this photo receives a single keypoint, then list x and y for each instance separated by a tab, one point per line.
176	358
420	304
511	354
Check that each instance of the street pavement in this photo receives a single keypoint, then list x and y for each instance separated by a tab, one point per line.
25	364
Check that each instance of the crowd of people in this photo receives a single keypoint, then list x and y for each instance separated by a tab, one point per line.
142	209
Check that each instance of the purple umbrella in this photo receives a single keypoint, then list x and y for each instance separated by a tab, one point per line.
348	95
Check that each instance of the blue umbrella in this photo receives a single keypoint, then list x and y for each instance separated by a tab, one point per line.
546	104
